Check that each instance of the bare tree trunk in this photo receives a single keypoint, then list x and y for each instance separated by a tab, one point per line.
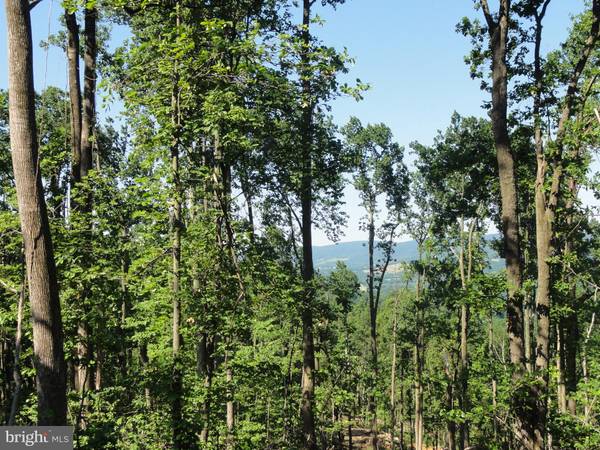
40	267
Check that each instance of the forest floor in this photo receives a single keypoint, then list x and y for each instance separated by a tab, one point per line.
361	440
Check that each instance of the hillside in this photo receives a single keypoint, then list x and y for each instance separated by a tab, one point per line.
355	255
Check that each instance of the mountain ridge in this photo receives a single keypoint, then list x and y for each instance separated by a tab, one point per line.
355	255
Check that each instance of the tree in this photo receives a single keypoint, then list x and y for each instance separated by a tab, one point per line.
458	171
380	172
41	271
497	31
547	201
418	225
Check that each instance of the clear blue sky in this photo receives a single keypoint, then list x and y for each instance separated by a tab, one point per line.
406	49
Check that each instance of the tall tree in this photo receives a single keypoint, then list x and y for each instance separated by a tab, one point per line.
459	173
551	159
74	90
498	26
380	172
40	266
309	99
308	351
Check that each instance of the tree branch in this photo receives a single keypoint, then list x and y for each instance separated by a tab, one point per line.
539	16
487	14
34	3
8	287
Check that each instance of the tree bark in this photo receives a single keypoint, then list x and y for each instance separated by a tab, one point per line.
498	30
88	119
74	93
40	266
498	33
18	380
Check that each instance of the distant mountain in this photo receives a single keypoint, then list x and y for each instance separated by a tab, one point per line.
355	255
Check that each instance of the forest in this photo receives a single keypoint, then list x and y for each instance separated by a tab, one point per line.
158	281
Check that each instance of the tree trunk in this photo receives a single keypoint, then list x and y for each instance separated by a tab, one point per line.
498	31
571	346
527	313
124	350
494	382
41	271
204	370
570	323
373	329
401	408
309	436
74	93
18	380
508	184
418	360
393	375
450	424
88	119
83	161
176	227
561	394
546	204
584	367
463	367
230	418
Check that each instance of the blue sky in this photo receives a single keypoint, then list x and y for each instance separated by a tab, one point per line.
406	49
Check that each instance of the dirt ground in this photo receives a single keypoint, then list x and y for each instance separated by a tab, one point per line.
361	438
